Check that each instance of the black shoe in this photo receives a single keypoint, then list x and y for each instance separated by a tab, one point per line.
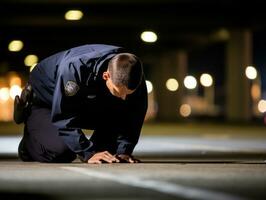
23	153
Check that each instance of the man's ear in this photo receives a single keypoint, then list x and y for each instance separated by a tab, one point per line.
106	75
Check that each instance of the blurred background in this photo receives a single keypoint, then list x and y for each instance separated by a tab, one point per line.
203	60
205	64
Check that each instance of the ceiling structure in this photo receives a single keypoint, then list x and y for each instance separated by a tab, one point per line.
186	24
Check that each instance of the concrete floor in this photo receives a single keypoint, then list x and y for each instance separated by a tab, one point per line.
206	166
208	181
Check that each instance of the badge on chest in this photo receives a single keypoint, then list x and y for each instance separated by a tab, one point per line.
71	88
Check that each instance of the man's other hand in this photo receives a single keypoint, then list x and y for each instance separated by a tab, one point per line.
123	158
101	157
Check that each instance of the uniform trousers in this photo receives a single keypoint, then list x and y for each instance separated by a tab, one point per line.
41	141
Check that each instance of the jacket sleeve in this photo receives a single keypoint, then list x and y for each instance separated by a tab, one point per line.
133	121
66	106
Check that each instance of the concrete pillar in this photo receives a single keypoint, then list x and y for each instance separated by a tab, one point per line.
171	65
239	56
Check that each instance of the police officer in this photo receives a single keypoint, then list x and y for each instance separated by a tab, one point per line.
98	87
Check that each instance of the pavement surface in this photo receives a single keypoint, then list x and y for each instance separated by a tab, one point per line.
229	165
136	181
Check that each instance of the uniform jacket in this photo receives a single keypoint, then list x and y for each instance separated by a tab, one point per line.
70	83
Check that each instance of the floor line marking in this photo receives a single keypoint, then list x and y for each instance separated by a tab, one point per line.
156	185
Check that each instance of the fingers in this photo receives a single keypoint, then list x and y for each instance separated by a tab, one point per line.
127	159
137	160
131	160
106	157
109	157
94	161
101	157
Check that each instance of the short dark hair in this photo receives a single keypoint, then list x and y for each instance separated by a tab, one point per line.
126	70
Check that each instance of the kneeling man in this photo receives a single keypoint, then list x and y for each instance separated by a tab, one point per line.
98	87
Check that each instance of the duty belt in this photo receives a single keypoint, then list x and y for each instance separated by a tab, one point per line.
23	103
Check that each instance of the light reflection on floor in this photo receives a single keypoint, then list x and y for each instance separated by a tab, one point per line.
170	144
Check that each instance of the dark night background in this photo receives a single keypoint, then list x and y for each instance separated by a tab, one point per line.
189	25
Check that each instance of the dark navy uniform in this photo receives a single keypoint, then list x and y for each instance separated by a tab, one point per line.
71	95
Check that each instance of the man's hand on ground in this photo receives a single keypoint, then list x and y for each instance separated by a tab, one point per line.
101	157
123	158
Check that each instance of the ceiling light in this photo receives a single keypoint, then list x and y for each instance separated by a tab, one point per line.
73	15
30	60
148	36
15	45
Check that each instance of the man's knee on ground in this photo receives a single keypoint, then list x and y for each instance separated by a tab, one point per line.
60	154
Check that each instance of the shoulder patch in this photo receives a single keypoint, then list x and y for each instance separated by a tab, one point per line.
71	88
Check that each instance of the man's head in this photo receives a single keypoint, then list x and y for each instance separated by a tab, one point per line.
123	75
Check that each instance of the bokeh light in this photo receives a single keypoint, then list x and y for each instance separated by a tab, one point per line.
149	86
255	91
15	45
32	67
251	72
262	106
190	82
185	110
4	94
15	81
15	90
206	80
30	60
172	84
73	15
148	36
